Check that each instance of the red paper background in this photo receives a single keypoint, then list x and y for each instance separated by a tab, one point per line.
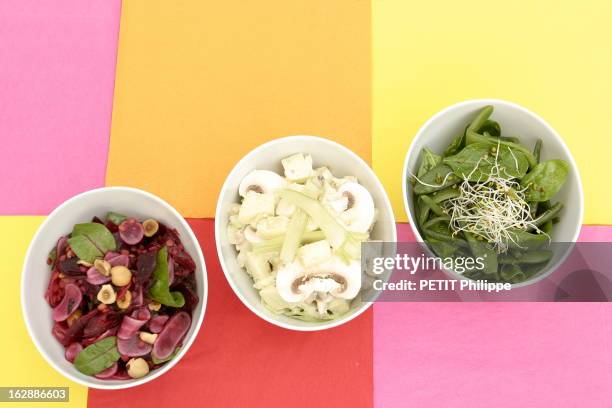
239	359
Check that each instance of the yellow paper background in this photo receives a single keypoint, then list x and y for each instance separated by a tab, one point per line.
553	57
23	365
200	84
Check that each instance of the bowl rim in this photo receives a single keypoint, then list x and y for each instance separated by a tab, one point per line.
218	216
525	111
189	341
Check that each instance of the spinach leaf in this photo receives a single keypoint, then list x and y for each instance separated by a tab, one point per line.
160	290
434	180
475	162
526	240
98	356
115	218
545	180
479	120
429	160
481	250
530	257
91	240
491	127
494	141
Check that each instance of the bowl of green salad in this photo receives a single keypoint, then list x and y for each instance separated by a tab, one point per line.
490	179
290	221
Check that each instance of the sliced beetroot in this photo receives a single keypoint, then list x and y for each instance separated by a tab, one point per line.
101	322
70	267
129	327
133	347
184	259
131	231
96	278
55	292
157	323
137	298
108	373
72	350
121	375
173	332
145	265
71	301
189	294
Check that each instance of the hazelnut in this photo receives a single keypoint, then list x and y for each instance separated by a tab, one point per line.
125	301
154	306
137	367
102	266
120	275
148	338
150	227
107	295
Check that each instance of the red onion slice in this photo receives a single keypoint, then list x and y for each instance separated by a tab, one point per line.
131	231
129	327
71	301
133	347
96	278
109	372
157	323
173	332
72	351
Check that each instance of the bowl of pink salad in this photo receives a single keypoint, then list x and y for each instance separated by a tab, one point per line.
114	288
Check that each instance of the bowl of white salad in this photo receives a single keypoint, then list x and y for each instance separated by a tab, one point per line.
289	225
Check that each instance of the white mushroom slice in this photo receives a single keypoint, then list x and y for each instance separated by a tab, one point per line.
360	213
296	283
339	204
261	181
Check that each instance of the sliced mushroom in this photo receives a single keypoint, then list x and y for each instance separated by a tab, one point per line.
360	212
296	283
261	181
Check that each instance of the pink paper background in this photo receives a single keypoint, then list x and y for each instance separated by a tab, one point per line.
493	354
57	67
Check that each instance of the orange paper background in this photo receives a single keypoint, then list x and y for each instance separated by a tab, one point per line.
200	84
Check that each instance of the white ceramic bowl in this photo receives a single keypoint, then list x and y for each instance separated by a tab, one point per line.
342	162
35	276
514	120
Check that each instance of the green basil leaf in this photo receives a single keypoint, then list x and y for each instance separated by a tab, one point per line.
98	356
475	162
160	290
545	180
429	160
115	218
91	240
